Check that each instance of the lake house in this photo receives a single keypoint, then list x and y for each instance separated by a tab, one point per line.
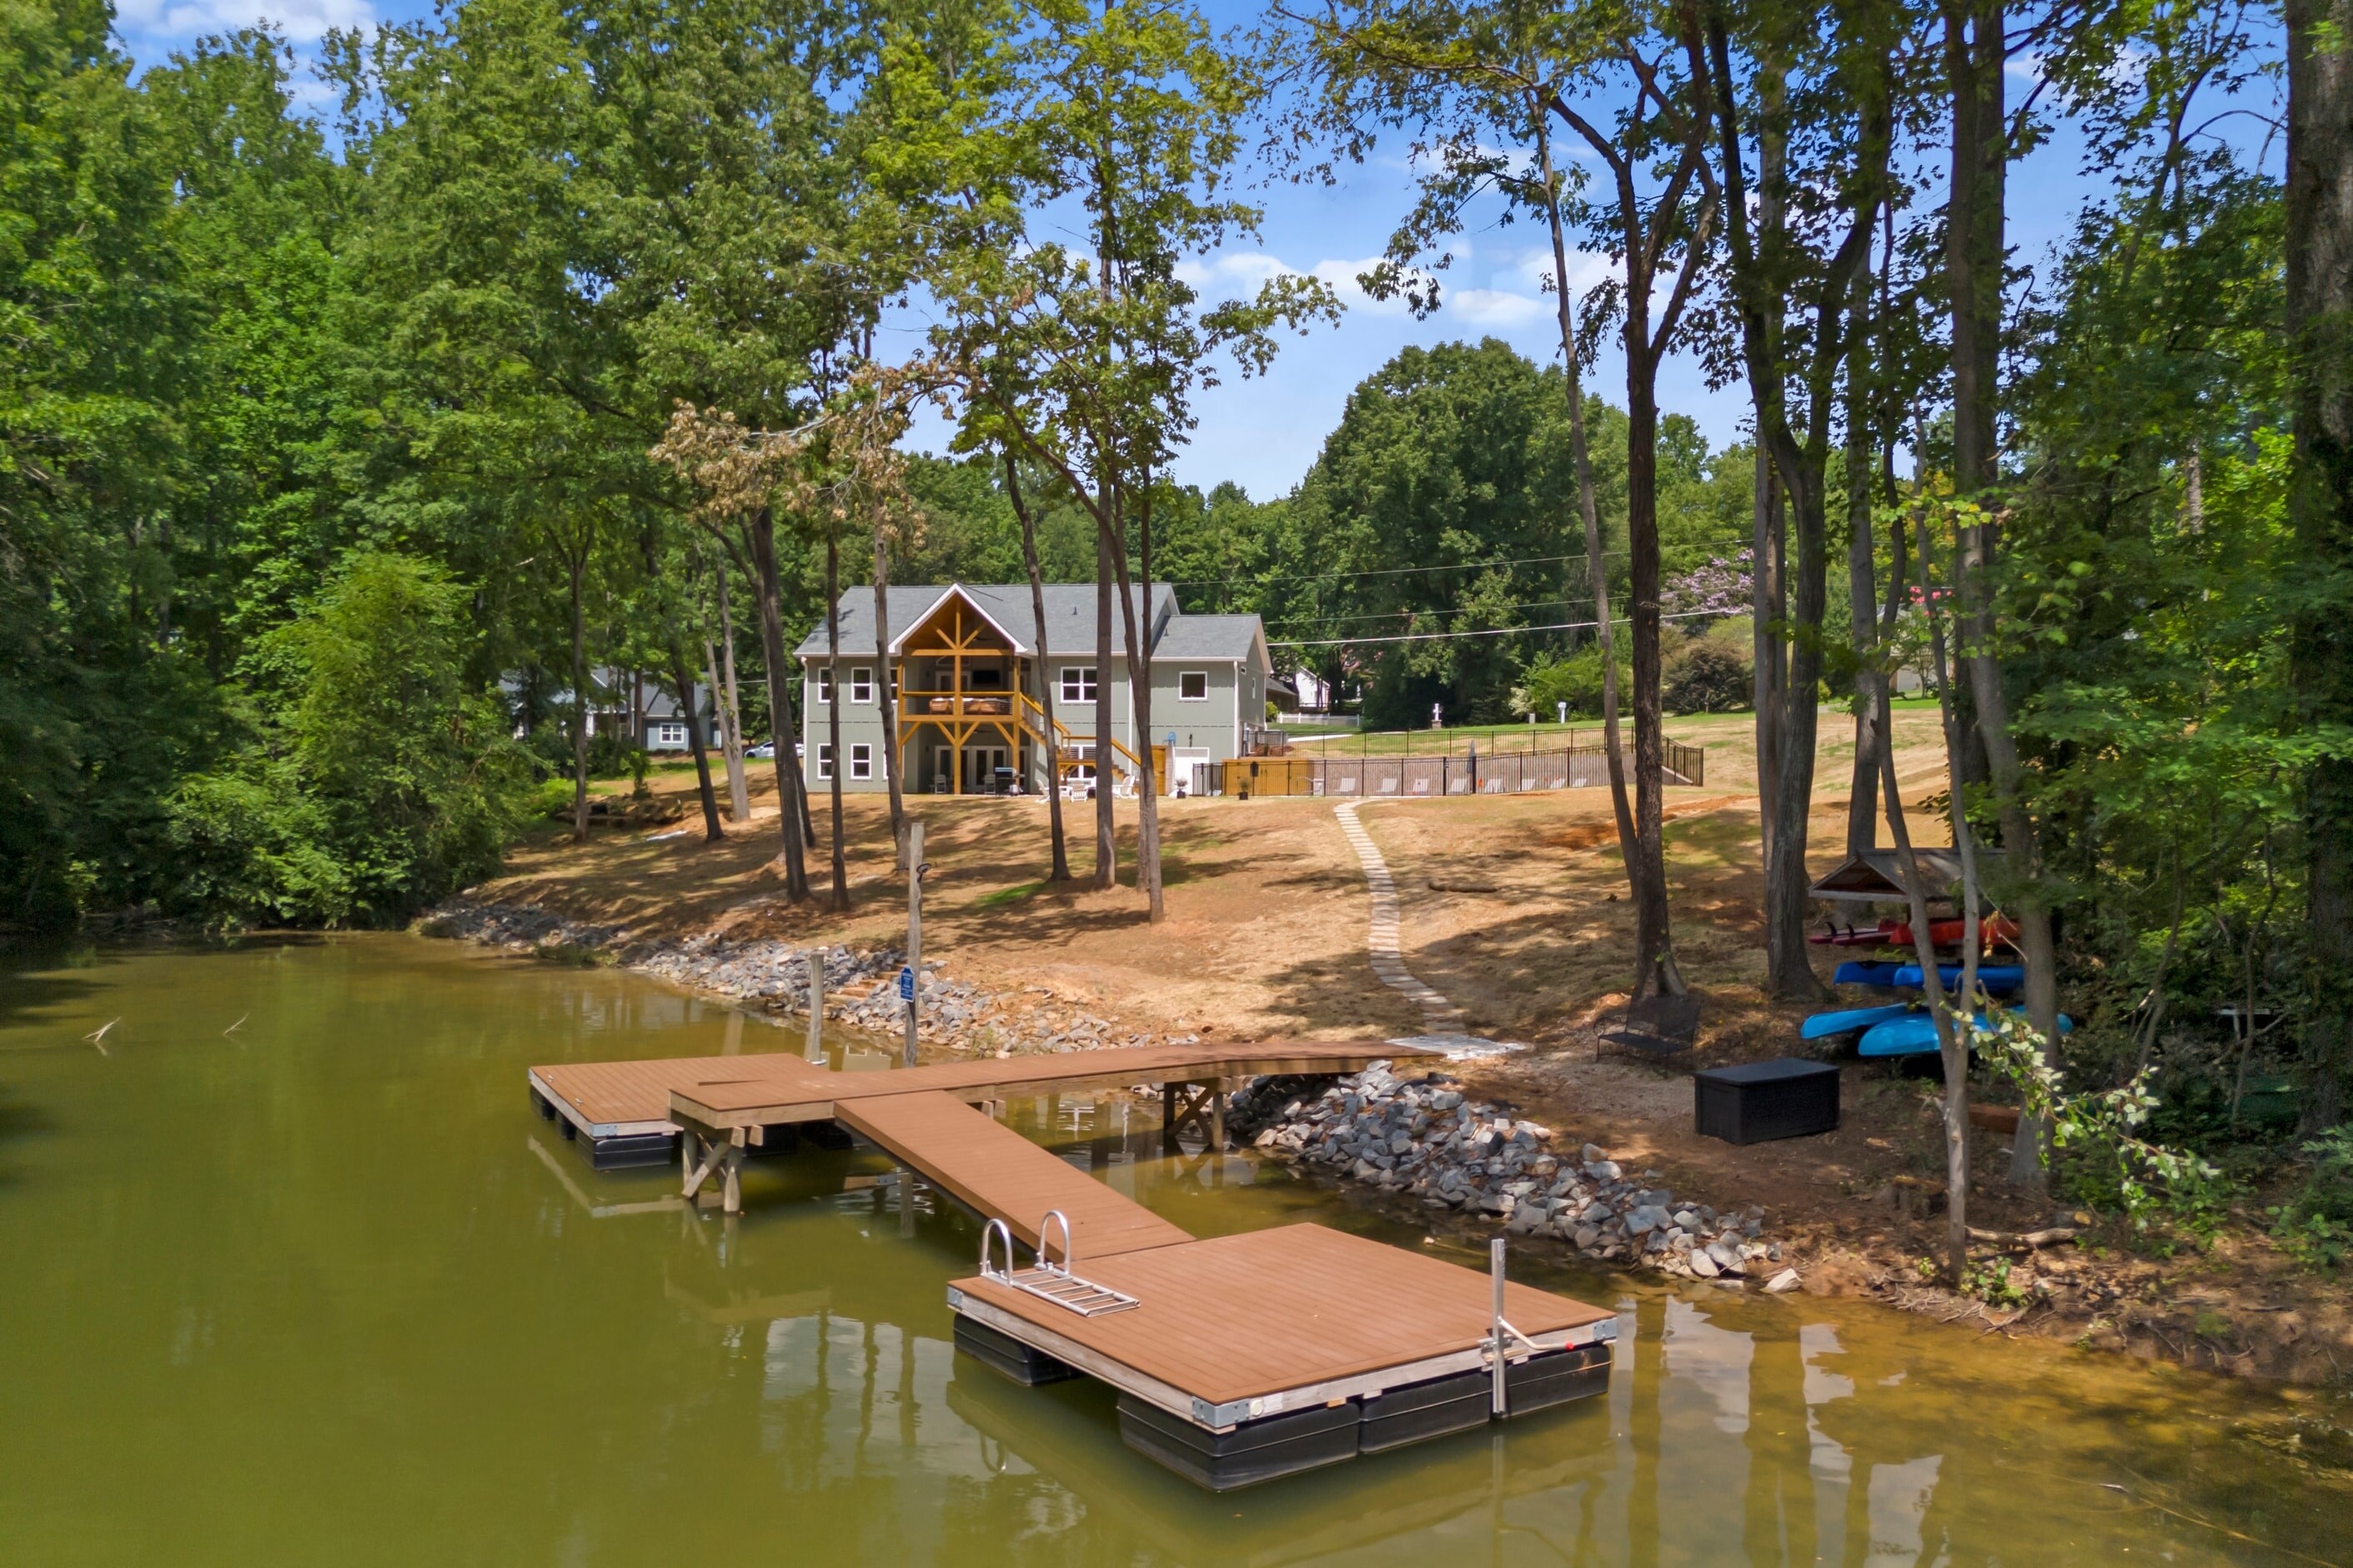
963	660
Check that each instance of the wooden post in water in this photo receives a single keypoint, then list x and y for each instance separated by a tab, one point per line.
915	929
815	1052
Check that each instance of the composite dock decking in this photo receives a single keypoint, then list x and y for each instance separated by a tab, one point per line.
631	1100
999	1175
1238	1358
610	1099
1270	1320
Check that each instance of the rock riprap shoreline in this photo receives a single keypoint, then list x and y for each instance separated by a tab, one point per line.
770	976
1423	1137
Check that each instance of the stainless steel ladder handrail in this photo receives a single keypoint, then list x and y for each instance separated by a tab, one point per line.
1046	1280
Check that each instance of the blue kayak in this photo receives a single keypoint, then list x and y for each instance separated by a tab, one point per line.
1997	978
1916	1035
1822	1026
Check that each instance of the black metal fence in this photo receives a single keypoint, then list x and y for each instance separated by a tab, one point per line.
1493	773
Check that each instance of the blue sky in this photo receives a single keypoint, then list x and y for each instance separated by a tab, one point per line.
1263	432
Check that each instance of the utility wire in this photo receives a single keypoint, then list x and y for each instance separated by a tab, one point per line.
1449	566
1496	631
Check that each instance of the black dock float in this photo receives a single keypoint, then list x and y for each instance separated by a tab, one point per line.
1249	1454
1422	1410
1008	1357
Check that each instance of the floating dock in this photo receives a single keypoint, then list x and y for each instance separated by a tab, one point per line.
1238	1359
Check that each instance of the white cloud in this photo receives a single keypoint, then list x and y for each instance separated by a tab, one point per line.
1585	269
1493	308
1232	274
179	21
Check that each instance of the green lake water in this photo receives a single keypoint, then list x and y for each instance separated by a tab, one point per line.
320	1289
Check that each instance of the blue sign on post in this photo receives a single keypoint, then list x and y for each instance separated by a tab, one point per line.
906	984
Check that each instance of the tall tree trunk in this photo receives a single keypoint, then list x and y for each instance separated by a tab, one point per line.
1597	571
2320	505
731	715
1759	282
1139	684
1863	609
1061	864
1973	234
1954	1021
1974	251
1767	609
1788	960
1655	956
885	698
840	902
1106	845
578	569
681	676
1861	583
792	809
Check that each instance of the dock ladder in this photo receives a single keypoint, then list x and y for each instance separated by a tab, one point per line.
1046	1280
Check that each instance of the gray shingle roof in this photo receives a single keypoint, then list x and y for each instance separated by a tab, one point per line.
1208	637
1070	620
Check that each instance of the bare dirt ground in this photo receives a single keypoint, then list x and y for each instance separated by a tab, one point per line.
1515	908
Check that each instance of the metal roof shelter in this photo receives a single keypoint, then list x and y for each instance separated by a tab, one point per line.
1880	875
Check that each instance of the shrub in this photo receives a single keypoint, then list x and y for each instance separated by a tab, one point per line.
1576	680
2316	1225
382	780
1708	675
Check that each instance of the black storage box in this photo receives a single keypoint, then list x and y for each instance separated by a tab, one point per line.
1758	1102
1255	1451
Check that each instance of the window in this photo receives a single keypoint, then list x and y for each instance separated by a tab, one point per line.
825	685
861	762
824	761
1077	683
861	684
1193	685
668	734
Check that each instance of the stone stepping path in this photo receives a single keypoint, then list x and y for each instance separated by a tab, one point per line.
1439	1016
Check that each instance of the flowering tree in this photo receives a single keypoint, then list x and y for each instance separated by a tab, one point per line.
1719	588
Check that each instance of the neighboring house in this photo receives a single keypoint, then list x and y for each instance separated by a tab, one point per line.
631	701
962	660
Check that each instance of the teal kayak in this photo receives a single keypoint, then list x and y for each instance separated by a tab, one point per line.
1916	1035
1822	1026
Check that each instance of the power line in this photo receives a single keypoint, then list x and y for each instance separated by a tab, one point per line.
1494	632
1451	566
1456	610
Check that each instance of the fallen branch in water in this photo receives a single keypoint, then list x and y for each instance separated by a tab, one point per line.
97	1037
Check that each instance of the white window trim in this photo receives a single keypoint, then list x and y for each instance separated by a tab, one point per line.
861	761
861	684
823	762
1184	675
669	733
822	684
1080	677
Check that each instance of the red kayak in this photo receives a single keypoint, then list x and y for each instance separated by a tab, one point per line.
1898	934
